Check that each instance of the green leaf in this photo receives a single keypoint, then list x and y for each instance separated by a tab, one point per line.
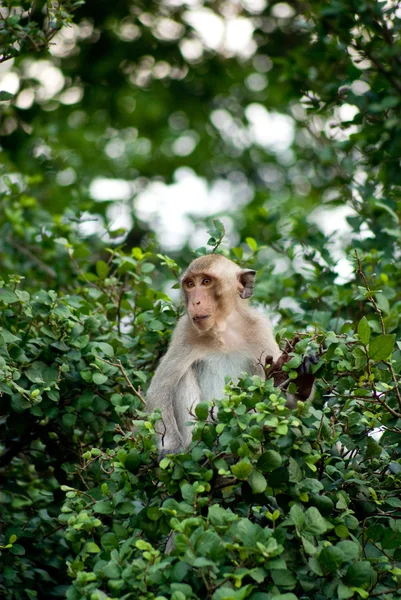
360	574
227	593
188	493
8	337
156	325
99	378
331	559
102	269
238	252
297	515
147	267
284	578
112	570
109	541
86	375
69	420
364	331
251	243
293	363
308	546
220	516
341	531
7	296
314	522
34	375
381	347
91	548
343	500
282	429
372	448
269	461
103	508
394	502
133	460
107	349
202	411
4	96
324	504
210	545
154	513
17	549
349	549
219	226
257	482
242	470
294	471
344	592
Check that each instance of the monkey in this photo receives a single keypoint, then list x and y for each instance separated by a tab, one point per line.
219	335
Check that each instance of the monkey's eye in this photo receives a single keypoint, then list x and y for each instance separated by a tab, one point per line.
190	284
206	281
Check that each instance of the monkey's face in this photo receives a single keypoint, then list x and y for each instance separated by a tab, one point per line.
212	286
201	300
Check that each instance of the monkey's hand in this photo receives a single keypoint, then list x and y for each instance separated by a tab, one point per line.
305	380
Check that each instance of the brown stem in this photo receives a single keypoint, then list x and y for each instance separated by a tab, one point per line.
119	366
394	378
370	296
32	257
380	66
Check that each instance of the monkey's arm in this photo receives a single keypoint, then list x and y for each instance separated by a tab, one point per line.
305	382
263	343
271	360
162	395
167	392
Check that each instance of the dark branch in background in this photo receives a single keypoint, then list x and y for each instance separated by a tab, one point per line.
380	66
26	438
32	257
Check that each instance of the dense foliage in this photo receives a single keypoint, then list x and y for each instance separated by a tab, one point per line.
268	503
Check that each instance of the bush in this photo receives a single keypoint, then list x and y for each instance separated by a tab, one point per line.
266	504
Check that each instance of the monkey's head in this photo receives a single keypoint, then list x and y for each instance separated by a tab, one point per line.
212	287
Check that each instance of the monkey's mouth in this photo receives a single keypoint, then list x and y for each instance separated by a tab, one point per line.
196	319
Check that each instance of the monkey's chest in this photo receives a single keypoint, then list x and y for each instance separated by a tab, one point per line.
212	371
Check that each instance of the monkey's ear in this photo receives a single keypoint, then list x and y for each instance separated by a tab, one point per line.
246	278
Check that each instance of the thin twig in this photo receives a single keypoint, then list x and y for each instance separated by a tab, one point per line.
119	366
380	66
370	296
375	400
35	259
394	378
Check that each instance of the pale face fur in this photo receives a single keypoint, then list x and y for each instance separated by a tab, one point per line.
212	286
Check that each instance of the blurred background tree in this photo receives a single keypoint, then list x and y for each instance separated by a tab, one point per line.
281	108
